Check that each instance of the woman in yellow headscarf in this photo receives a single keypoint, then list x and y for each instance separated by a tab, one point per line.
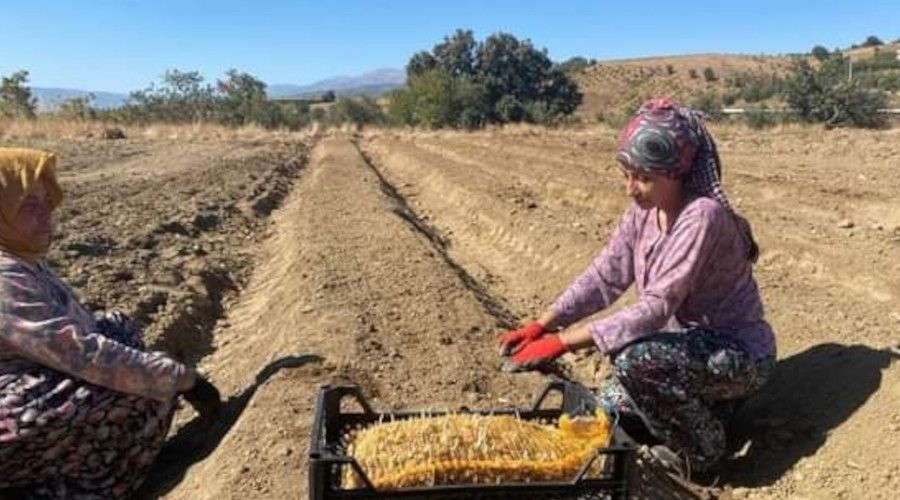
83	408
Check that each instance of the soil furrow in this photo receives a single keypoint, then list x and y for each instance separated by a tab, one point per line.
342	278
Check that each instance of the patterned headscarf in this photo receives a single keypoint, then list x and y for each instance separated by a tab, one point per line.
20	170
664	138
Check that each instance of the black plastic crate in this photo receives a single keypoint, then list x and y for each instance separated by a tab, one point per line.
327	459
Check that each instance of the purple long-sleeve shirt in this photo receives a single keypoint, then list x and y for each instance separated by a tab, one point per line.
42	322
695	275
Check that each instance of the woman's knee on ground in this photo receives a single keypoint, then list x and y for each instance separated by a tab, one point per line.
641	360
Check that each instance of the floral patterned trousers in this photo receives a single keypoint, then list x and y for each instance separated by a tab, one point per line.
61	437
683	387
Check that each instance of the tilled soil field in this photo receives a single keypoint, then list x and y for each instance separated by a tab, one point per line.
525	210
164	229
391	259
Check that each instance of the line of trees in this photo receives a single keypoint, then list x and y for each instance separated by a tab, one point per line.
461	83
180	97
465	83
237	99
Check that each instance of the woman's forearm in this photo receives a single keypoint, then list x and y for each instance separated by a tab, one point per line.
577	338
574	338
548	320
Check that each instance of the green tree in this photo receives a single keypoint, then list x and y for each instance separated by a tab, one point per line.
420	63
245	100
559	95
470	103
820	53
729	97
803	91
359	111
462	83
872	41
15	96
833	70
510	109
328	96
292	114
181	96
187	96
849	103
709	75
824	96
456	53
507	66
435	99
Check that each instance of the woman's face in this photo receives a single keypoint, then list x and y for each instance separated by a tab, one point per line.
652	190
33	220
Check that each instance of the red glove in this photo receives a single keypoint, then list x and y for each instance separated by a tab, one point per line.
514	340
538	352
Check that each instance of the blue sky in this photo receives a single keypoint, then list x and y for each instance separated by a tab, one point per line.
123	45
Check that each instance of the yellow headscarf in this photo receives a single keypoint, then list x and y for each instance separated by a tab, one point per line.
20	170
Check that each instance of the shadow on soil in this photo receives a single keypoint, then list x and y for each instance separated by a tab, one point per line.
809	394
197	439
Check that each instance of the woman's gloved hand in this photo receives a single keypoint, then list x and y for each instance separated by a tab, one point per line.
204	397
514	340
536	353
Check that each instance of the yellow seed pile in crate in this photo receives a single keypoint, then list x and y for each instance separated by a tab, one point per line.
473	449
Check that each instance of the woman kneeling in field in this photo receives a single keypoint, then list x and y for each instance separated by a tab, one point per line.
696	339
83	408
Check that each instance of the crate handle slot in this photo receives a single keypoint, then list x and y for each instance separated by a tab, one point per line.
329	399
553	386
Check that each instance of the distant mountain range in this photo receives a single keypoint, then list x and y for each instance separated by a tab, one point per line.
371	83
49	98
